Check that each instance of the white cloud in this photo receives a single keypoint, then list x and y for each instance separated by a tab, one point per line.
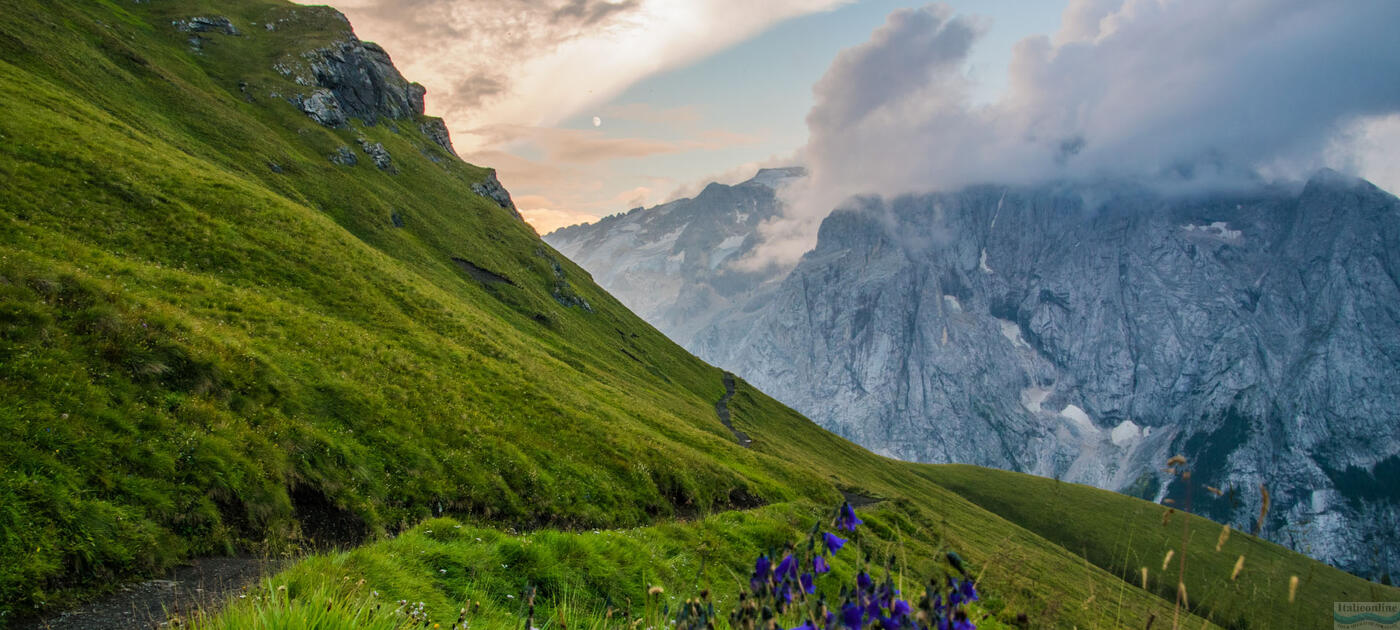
536	62
1183	92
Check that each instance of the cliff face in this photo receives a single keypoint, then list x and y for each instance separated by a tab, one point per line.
669	263
1090	334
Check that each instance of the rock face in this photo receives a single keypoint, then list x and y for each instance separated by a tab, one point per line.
350	79
1089	333
364	82
492	189
668	263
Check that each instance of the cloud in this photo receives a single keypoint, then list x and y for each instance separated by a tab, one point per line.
537	62
592	146
545	214
1182	92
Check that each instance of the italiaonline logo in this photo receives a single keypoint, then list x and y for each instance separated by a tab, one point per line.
1366	615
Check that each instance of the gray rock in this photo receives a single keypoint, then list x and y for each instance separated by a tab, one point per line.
344	157
364	82
492	189
378	154
216	24
323	107
436	131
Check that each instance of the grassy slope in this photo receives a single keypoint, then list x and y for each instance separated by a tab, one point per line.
200	354
1122	534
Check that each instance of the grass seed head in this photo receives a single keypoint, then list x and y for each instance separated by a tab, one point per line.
1166	560
1239	565
1224	536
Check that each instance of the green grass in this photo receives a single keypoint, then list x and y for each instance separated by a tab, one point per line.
1123	534
201	355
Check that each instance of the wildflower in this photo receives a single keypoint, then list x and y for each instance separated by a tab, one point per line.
851	616
833	542
1239	564
808	585
819	565
848	519
863	580
655	590
762	567
900	609
968	590
786	568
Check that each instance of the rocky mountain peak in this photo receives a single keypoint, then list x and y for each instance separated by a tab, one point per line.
1087	333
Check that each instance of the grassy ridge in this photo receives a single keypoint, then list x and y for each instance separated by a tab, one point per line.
1124	534
213	340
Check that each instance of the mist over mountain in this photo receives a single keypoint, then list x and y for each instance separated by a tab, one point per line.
671	263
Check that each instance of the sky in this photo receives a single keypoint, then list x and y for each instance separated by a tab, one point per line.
591	107
684	92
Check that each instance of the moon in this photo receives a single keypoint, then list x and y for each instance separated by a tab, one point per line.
597	122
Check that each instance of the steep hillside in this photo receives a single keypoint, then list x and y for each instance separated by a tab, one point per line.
250	302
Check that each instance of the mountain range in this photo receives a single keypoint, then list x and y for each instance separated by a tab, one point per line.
1085	332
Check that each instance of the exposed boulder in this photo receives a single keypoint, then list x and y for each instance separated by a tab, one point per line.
323	107
199	24
344	157
378	154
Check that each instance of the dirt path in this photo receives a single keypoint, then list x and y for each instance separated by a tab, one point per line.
722	410
203	584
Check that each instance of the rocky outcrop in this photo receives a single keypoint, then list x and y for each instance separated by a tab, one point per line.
364	81
216	24
322	106
669	263
436	130
344	157
492	189
378	154
351	79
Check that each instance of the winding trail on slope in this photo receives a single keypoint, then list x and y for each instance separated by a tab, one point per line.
722	410
203	584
